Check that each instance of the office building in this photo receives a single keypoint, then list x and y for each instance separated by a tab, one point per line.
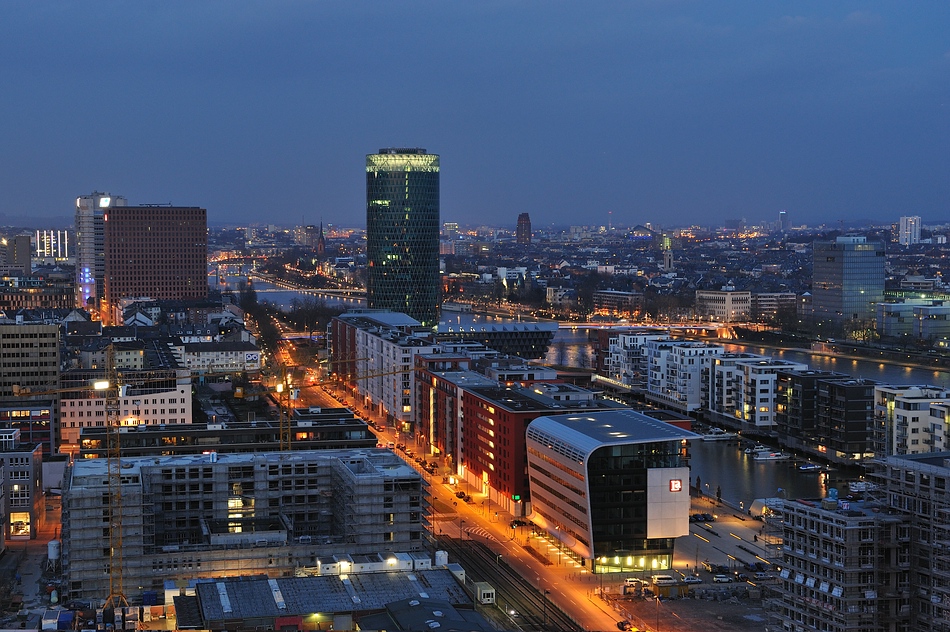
402	233
217	515
90	246
909	232
30	363
52	245
726	305
784	222
847	280
23	499
523	231
16	255
160	252
613	487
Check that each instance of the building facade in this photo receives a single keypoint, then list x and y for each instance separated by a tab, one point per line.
613	487
402	232
186	517
90	246
909	232
523	231
160	252
676	372
847	280
726	306
29	377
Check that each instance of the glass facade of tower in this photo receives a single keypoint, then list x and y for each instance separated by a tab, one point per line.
402	232
847	279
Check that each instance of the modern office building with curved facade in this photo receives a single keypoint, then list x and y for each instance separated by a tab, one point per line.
612	486
402	232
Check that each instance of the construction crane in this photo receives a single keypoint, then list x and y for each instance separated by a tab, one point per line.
116	596
112	391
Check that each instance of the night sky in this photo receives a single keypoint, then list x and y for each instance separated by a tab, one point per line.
671	112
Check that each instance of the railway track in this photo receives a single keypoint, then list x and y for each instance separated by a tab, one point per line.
533	611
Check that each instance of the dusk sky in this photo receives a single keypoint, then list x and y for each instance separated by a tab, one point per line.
671	112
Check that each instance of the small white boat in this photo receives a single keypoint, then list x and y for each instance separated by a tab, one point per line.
768	455
809	467
758	447
718	434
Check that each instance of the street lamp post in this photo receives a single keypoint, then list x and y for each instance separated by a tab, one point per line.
461	531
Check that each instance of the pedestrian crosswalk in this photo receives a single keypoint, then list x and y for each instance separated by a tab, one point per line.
480	532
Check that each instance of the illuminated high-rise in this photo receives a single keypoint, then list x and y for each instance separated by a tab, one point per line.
90	246
847	279
909	231
402	232
523	232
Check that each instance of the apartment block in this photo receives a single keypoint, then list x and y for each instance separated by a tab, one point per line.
195	516
675	372
846	568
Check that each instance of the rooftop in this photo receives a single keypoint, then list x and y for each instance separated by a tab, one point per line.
611	427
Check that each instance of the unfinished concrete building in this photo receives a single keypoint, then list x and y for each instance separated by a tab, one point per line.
221	515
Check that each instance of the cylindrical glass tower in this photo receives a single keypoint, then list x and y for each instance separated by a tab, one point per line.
402	232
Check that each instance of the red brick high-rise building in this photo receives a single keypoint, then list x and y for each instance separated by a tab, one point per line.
159	252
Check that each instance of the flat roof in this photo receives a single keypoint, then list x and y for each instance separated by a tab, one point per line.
588	431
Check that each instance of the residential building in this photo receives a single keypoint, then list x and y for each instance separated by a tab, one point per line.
844	421
676	372
847	280
845	567
916	488
402	232
796	395
217	515
743	389
372	353
159	252
617	303
769	306
626	366
522	338
911	419
612	487
909	232
90	246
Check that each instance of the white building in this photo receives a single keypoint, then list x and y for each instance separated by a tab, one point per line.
148	398
627	365
742	387
675	372
218	357
913	418
726	305
909	233
90	245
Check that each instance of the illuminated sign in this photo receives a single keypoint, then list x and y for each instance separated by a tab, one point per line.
676	485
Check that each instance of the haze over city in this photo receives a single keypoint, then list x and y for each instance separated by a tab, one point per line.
667	112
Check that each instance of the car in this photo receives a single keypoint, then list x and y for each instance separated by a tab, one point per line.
742	577
708	517
762	577
514	524
632	581
626	625
692	579
722	579
663	580
708	566
460	494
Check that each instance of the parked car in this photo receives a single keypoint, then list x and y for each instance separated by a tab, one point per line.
762	577
625	625
460	494
692	579
514	524
664	580
722	579
742	577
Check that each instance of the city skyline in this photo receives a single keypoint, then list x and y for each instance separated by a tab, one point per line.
674	113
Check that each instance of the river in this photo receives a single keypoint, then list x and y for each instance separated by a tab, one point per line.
282	297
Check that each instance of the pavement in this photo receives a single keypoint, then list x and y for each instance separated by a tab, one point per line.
25	564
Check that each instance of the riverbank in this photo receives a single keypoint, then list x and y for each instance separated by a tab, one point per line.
896	357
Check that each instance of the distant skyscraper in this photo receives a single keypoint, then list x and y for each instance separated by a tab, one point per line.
909	231
160	252
90	245
402	232
847	279
784	223
523	233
